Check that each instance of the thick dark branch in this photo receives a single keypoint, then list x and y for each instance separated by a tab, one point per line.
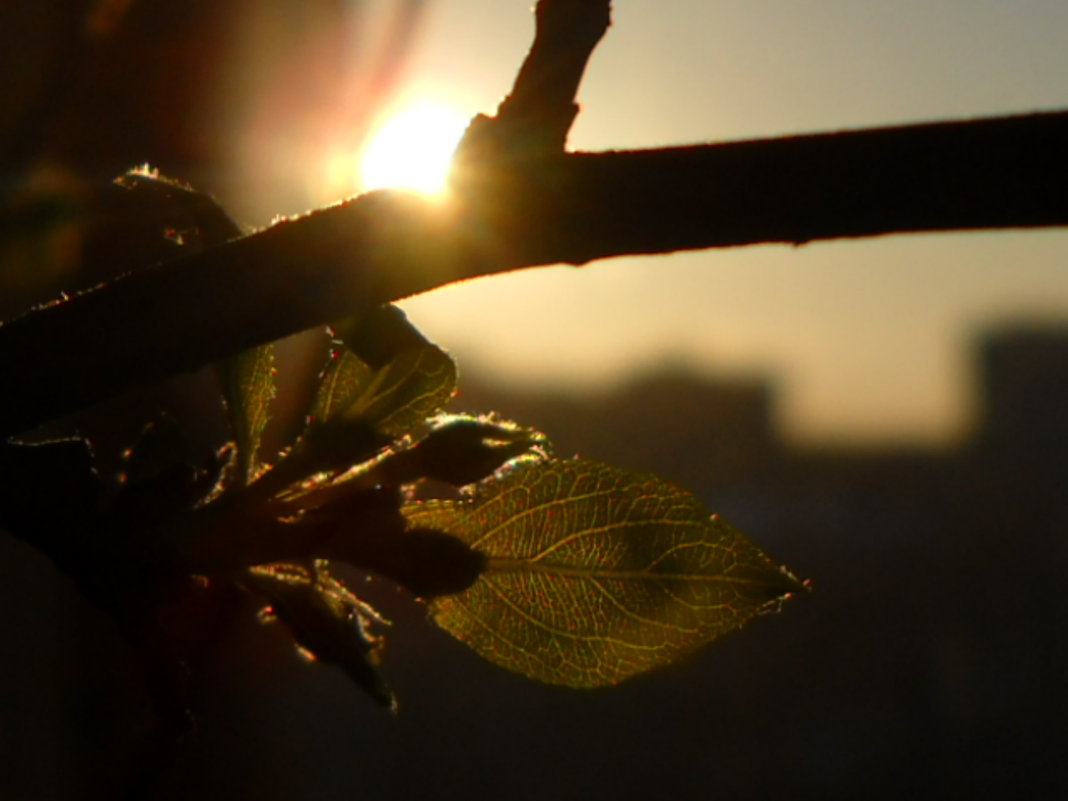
533	121
998	173
542	106
980	174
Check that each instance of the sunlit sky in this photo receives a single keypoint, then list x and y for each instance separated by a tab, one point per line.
866	340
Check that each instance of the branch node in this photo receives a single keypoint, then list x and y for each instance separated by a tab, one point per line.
534	120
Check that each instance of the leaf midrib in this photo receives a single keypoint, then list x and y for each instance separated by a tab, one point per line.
500	564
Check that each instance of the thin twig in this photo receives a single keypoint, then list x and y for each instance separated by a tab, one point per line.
535	117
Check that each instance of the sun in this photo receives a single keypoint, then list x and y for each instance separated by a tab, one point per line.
413	148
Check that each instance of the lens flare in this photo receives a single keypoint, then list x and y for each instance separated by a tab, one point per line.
413	148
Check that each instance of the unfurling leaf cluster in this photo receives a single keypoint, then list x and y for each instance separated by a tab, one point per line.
564	570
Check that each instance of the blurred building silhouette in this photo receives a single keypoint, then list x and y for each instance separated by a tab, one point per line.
657	422
929	660
1025	390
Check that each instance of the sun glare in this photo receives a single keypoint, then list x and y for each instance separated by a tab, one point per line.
413	149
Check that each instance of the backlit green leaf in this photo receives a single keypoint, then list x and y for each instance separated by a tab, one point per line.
461	449
595	574
340	385
415	385
327	621
248	388
385	373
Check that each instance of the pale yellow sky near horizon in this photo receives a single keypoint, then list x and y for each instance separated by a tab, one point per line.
867	341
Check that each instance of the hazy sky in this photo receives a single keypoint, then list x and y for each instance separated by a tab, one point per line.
867	339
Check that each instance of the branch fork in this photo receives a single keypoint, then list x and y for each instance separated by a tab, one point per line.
521	201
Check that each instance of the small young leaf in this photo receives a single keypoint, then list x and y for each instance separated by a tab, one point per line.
461	450
327	621
344	377
379	335
595	574
385	373
383	380
248	389
395	398
415	385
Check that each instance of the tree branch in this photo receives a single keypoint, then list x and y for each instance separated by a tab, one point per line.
994	173
981	174
383	246
535	117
